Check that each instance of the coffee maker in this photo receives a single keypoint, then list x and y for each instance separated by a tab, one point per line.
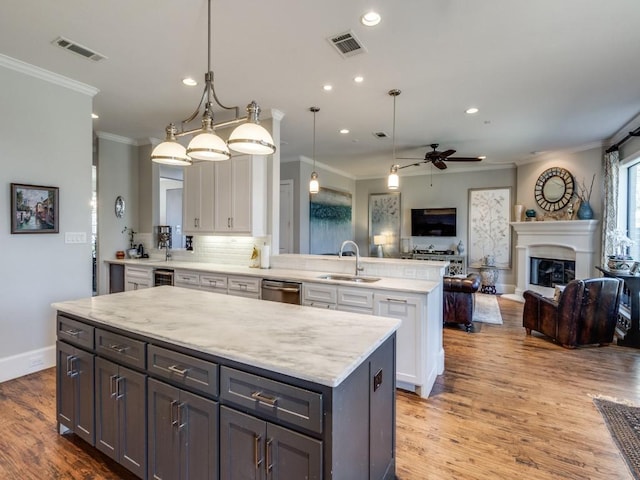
164	236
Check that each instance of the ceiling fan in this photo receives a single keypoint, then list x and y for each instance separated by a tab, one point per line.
438	158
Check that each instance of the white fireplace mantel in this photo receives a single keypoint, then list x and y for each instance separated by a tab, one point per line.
568	239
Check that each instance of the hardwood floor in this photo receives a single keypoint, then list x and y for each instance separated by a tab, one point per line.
508	407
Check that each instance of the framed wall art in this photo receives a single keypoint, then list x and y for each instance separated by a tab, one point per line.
34	209
384	223
329	220
489	240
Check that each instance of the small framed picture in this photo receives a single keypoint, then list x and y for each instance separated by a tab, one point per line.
34	209
635	268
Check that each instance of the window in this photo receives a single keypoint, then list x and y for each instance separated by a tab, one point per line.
633	207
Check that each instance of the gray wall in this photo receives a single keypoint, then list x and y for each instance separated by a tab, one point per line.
117	175
300	172
45	139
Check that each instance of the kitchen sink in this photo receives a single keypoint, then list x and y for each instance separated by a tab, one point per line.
348	278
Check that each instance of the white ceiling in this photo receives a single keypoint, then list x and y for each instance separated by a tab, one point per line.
546	74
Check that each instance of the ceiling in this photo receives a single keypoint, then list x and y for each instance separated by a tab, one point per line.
547	75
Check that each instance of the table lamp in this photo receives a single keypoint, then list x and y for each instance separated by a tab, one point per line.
379	240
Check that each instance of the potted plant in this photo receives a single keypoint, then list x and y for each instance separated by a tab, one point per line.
585	212
620	261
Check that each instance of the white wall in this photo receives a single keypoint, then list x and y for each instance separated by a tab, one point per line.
45	139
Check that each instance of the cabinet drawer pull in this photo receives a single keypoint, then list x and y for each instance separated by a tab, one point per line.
179	371
269	456
113	386
257	457
265	399
182	420
71	371
120	391
174	413
118	348
73	333
396	300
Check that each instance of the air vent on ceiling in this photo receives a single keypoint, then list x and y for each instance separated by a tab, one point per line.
78	49
380	134
347	44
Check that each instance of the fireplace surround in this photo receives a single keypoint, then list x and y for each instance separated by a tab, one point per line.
561	240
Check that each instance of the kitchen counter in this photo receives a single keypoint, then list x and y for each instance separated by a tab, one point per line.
385	283
310	344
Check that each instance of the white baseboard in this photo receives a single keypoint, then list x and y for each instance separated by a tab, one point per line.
27	362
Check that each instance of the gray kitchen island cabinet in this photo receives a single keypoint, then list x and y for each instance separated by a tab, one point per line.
238	388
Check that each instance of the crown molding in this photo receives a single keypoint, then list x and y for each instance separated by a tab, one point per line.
631	125
117	138
436	171
47	76
549	155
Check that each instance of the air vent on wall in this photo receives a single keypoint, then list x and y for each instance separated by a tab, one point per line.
347	44
78	49
380	134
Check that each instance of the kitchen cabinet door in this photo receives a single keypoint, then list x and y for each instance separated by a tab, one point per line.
252	449
233	194
198	191
120	418
410	352
75	394
182	435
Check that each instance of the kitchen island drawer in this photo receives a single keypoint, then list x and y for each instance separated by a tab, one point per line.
276	400
190	372
123	350
74	332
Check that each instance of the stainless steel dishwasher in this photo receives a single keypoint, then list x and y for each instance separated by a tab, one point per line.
283	292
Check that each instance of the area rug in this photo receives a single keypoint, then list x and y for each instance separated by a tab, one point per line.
623	422
486	309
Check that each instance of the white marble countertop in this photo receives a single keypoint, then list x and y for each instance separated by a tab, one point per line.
410	285
318	345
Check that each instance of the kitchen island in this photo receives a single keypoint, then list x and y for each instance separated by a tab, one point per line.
178	383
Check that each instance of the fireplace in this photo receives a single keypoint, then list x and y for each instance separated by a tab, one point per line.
549	272
558	240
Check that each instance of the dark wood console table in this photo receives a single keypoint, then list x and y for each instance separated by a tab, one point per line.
632	337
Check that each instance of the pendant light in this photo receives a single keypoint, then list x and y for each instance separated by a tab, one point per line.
393	182
314	185
249	137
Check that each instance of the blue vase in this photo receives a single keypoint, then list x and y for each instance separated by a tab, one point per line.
585	212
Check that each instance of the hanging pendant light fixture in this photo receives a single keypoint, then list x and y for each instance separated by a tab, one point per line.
314	185
393	182
249	137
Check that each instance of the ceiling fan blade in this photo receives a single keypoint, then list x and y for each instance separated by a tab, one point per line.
440	164
446	153
463	159
409	158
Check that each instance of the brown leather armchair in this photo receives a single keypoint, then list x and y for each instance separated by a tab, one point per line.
458	299
586	312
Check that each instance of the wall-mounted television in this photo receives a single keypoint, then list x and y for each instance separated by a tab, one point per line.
433	222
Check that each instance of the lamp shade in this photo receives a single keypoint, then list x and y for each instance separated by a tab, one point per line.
252	139
208	146
314	185
379	240
170	152
393	181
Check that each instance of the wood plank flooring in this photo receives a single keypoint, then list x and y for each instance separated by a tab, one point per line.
508	407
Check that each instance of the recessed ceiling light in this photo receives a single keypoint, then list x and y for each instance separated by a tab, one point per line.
471	111
94	116
327	88
358	79
370	19
189	82
344	131
482	157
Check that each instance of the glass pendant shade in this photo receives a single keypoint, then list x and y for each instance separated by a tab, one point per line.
208	146
314	185
393	181
170	152
252	139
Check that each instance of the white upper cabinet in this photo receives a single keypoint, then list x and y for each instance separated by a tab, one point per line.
198	191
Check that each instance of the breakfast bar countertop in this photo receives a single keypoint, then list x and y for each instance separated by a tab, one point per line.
317	345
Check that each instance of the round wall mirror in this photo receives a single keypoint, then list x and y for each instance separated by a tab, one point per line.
554	189
119	207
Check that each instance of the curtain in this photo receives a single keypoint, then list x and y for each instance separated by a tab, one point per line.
609	216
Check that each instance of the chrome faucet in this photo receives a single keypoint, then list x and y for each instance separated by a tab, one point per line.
358	267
